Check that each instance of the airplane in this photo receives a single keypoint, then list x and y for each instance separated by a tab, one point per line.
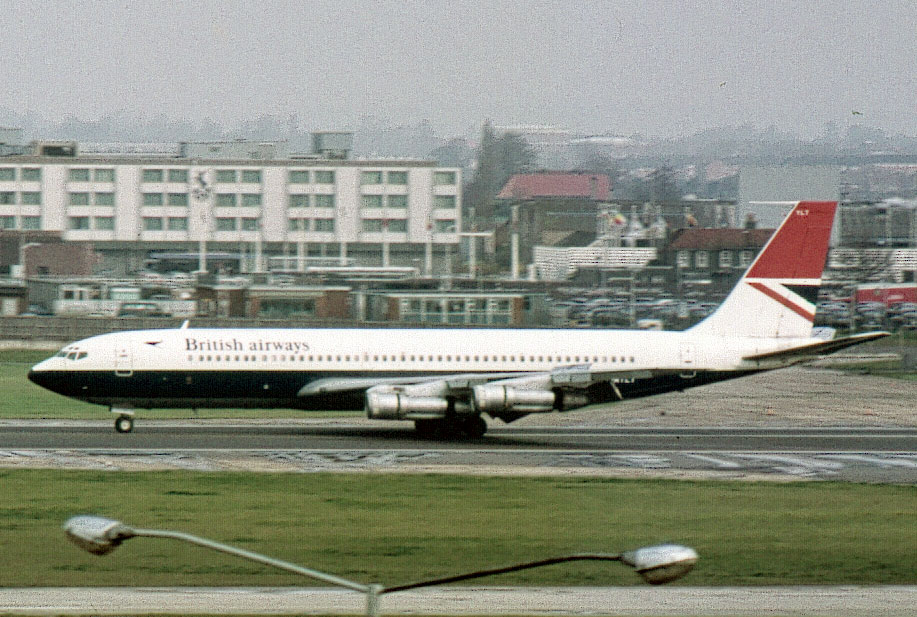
445	380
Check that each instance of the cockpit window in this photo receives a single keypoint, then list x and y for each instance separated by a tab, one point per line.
71	355
61	354
81	355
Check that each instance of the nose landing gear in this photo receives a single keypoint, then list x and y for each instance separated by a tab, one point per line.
124	423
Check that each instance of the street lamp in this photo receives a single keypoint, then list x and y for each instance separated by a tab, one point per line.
658	564
100	535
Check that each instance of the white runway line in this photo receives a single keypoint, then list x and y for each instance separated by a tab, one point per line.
880	461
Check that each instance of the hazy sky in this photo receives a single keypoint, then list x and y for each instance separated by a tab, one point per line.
651	66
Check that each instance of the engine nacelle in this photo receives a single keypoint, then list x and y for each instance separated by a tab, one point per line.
572	400
493	398
398	406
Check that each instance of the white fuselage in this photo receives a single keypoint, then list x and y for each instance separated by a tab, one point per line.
411	350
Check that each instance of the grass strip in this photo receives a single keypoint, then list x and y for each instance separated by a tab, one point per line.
397	528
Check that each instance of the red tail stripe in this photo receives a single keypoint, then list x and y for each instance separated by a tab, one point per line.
799	248
770	293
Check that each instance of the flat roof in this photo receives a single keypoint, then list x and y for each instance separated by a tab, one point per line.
161	161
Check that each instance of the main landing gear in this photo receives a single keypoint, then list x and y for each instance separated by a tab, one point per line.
470	427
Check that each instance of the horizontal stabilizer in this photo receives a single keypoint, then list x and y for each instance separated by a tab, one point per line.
814	350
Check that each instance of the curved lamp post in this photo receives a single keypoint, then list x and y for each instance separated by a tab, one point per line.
656	564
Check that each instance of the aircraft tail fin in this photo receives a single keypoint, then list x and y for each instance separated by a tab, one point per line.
776	296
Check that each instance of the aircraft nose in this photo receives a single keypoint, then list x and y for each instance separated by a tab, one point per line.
40	377
36	377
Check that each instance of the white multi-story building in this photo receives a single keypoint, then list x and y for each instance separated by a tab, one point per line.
369	213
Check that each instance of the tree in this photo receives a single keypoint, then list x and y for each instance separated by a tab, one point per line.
499	157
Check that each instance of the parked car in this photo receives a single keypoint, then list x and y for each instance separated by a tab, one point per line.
141	309
36	310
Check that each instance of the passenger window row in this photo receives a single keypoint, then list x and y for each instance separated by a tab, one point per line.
406	358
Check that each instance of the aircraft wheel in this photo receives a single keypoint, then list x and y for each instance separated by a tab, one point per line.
124	424
428	429
474	427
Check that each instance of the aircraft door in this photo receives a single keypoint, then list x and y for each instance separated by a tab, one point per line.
687	355
124	361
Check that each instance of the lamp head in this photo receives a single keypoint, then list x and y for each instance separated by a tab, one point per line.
662	563
97	534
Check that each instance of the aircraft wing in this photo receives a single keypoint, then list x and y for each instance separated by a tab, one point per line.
352	384
815	350
580	376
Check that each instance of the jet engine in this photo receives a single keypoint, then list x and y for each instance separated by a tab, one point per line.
492	398
496	399
387	405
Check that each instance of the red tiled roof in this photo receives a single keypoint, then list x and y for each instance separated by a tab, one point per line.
530	186
714	239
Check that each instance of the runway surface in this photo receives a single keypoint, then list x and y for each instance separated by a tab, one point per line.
828	601
870	454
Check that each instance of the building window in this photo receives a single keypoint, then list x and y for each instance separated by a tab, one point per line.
226	200
104	175
104	223
152	223
249	224
226	224
299	224
7	222
397	201
251	176
444	201
79	222
31	174
745	258
79	174
397	177
324	224
251	200
441	178
702	259
299	176
371	201
445	226
398	225
77	199
324	177
7	174
299	201
324	201
152	175
178	175
152	199
226	176
371	177
177	199
372	225
684	259
725	259
177	223
31	222
105	199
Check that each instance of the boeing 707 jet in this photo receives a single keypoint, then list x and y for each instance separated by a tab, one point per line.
445	380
